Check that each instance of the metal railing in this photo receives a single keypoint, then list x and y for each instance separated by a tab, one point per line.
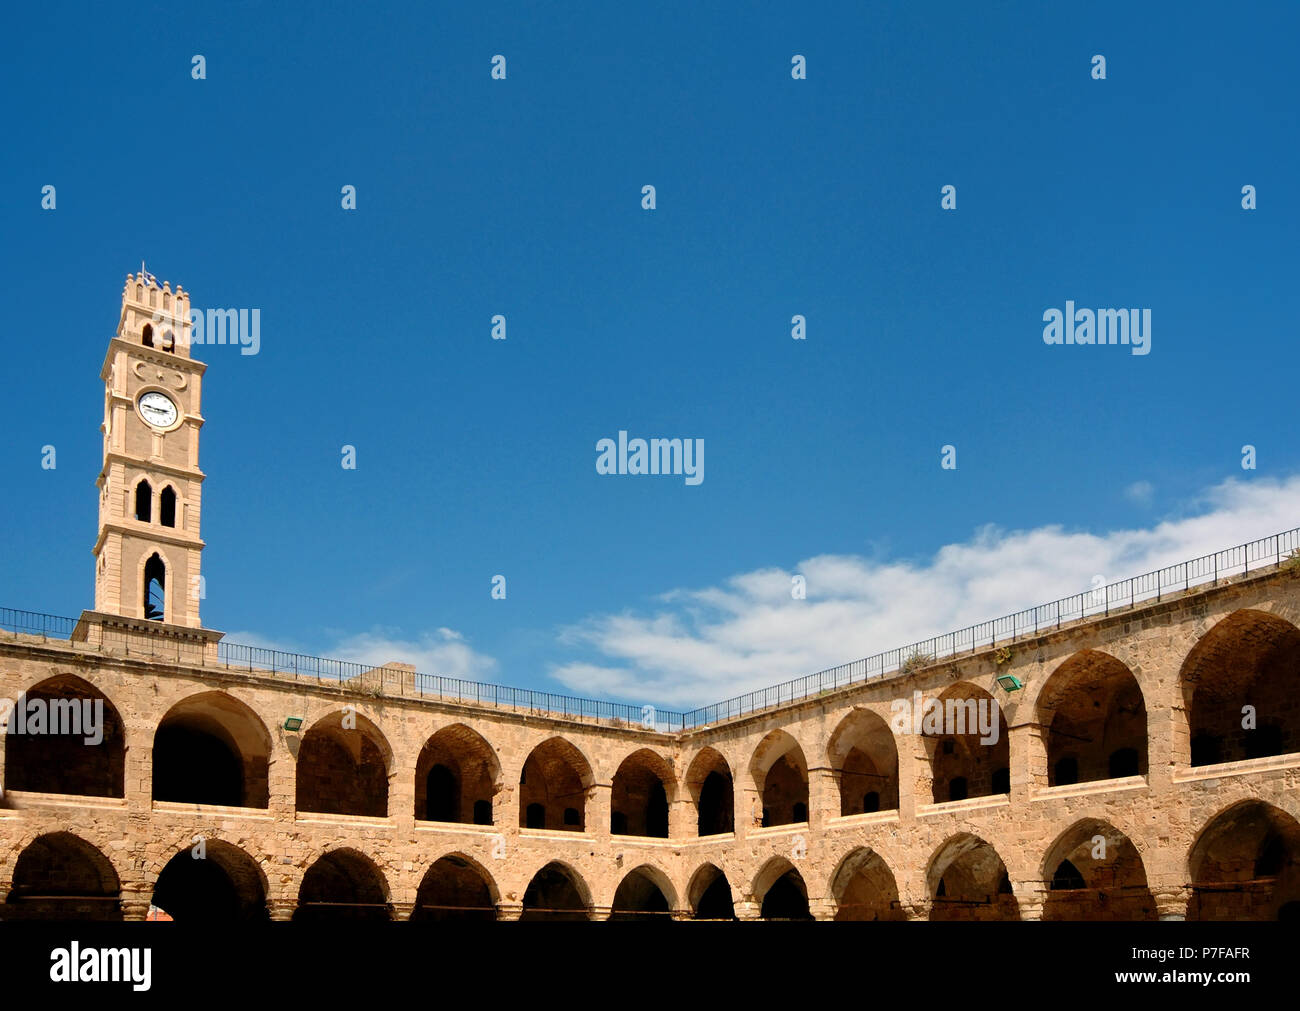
1099	601
1126	593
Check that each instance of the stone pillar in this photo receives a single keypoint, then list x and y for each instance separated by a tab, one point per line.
508	912
402	910
748	909
916	909
1028	747
600	806
135	900
682	819
401	800
1171	901
749	809
281	910
915	786
823	796
822	908
281	775
1169	734
138	774
1030	897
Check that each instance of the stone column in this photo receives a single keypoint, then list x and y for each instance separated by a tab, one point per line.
1030	897
916	909
600	807
748	909
508	912
823	796
135	899
402	910
682	818
914	776
281	910
1171	901
1028	747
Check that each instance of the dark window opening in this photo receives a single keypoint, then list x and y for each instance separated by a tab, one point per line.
167	507
1067	877
871	802
441	786
146	336
155	583
482	812
957	788
800	811
535	816
143	502
571	816
656	813
717	805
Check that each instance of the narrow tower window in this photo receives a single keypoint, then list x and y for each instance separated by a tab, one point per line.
146	335
143	502
167	507
155	583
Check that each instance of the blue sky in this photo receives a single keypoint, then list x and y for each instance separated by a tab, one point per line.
775	197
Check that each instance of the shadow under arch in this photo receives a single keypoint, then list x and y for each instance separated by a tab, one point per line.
557	892
1094	872
61	876
864	888
779	772
456	887
343	766
78	747
211	748
967	880
1245	864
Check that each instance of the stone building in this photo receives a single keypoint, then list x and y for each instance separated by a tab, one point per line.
1135	760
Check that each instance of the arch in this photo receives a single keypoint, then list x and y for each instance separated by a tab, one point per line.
967	880
641	791
167	506
344	769
553	783
557	892
456	774
456	887
1094	719
709	894
710	785
155	588
211	748
144	501
781	891
225	885
864	756
645	893
962	762
343	884
1094	872
1245	864
1250	658
146	335
79	746
780	775
864	888
60	876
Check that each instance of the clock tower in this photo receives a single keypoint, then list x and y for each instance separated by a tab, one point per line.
148	552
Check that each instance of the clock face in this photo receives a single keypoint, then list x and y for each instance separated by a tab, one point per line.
157	409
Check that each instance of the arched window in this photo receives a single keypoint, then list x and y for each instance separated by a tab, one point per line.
155	584
143	502
167	507
1067	877
146	335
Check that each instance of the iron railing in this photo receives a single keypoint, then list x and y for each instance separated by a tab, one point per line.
1103	600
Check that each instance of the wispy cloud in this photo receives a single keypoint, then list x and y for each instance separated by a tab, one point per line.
441	651
702	645
1141	492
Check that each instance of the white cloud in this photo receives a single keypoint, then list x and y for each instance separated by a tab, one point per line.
1140	492
704	645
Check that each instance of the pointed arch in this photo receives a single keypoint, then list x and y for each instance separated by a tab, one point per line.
645	893
963	763
343	884
226	886
864	756
344	764
710	785
557	892
864	888
709	894
1249	661
456	887
61	876
211	748
1245	864
1094	872
779	772
781	891
553	787
1095	720
457	777
89	760
641	792
967	880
